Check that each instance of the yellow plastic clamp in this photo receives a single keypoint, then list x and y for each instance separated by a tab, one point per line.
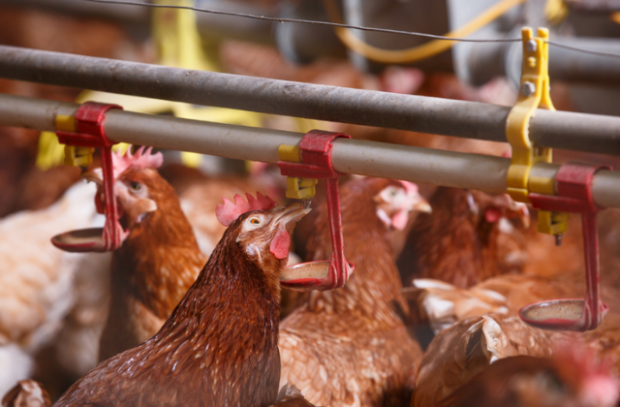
533	94
552	223
76	156
296	188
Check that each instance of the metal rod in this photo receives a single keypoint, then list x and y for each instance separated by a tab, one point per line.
597	7
573	131
447	168
571	66
487	61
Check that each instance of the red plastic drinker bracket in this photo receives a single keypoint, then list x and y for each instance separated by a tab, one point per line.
316	162
90	132
574	188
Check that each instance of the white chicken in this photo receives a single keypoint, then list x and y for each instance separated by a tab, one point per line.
36	285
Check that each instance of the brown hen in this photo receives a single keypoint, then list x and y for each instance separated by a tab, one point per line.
483	326
443	304
159	260
348	346
459	353
219	347
26	393
570	378
462	240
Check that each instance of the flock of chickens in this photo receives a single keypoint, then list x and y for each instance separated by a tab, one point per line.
189	311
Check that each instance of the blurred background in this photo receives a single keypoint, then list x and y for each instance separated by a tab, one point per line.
32	176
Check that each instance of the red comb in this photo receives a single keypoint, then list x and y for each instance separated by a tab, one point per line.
409	186
140	159
227	212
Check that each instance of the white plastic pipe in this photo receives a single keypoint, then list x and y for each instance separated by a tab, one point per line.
415	164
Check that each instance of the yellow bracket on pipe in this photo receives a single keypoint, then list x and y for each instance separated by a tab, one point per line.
533	94
75	156
296	188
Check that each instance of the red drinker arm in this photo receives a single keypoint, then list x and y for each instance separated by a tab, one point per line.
89	121
574	187
316	162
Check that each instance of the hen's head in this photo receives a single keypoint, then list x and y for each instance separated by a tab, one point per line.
395	199
138	187
260	228
494	208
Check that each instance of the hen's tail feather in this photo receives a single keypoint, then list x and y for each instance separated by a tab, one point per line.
27	393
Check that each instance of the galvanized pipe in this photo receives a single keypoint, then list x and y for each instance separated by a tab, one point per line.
486	61
573	131
572	66
594	6
486	173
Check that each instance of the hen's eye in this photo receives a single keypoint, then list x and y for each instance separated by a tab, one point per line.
255	221
136	186
393	192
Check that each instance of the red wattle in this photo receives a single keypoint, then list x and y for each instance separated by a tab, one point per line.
492	215
280	244
399	221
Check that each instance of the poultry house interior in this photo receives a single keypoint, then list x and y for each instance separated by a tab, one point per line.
310	203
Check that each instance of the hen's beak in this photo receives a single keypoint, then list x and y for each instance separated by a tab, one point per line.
291	213
514	209
422	206
524	214
95	176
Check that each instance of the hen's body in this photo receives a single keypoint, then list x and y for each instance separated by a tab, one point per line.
459	353
26	393
37	280
443	304
524	381
463	350
218	348
348	347
457	244
152	271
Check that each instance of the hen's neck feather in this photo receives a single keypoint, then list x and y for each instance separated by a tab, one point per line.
375	284
160	259
453	244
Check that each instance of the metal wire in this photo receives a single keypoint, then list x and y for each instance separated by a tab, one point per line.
585	51
297	20
354	27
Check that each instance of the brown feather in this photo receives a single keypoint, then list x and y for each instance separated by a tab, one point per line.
453	244
459	353
218	348
348	345
153	269
521	381
26	393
